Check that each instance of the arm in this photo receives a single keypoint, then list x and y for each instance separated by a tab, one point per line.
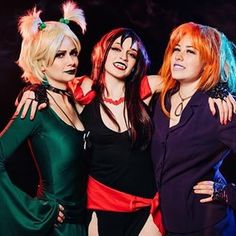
28	211
84	82
14	134
150	85
219	190
82	89
226	107
35	96
224	100
218	96
155	83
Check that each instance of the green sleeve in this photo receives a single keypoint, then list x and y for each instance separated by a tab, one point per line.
21	214
15	133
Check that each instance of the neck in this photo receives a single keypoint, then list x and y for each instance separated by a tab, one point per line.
114	88
185	93
114	92
187	90
57	90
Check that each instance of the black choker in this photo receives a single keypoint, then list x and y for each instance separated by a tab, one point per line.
57	90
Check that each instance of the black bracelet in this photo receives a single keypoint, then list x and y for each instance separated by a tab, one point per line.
219	193
219	91
40	93
39	90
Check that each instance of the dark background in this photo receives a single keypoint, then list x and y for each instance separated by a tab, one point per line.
152	20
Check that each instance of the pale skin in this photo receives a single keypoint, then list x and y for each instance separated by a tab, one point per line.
205	187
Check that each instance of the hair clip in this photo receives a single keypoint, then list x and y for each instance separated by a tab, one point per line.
65	21
41	26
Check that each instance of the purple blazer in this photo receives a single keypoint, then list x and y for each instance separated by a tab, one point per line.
184	154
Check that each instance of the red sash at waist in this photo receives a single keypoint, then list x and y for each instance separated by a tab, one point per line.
102	197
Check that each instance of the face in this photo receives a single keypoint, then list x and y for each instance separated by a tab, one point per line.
121	58
64	65
186	64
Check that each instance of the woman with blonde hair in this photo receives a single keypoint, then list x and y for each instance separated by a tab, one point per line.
49	56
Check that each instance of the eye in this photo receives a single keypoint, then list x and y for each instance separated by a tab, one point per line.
116	49
133	55
74	52
176	49
60	55
191	51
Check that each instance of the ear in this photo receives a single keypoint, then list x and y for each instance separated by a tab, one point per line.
42	67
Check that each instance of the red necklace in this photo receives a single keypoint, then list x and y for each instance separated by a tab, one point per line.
114	102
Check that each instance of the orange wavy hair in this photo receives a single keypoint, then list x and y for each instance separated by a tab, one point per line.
207	41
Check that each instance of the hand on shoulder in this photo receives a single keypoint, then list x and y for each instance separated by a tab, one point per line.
84	82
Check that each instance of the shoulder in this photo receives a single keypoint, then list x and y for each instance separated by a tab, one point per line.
83	82
86	83
155	83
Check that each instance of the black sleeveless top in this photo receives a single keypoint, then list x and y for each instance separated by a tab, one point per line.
113	160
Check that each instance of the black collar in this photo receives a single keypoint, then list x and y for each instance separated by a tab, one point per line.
57	90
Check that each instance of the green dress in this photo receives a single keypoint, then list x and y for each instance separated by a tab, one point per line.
57	149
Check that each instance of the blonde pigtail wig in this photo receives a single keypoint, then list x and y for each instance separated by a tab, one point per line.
71	12
41	40
30	24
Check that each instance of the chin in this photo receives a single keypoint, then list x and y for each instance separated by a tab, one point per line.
70	77
177	78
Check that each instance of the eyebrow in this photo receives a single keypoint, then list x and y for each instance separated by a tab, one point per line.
133	49
61	50
188	46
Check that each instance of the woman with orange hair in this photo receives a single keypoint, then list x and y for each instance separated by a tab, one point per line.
189	144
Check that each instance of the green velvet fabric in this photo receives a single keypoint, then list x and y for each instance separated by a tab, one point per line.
58	151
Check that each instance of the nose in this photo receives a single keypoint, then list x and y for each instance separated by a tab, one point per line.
123	56
72	60
179	56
